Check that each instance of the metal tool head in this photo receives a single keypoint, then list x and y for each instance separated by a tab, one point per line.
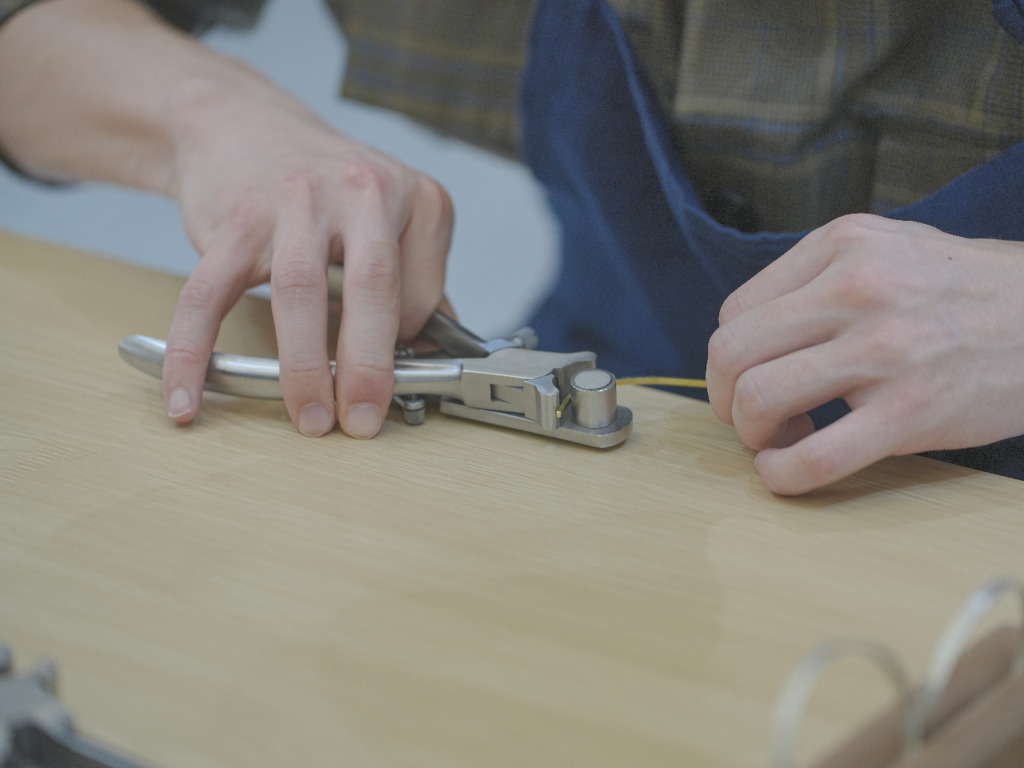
36	730
544	393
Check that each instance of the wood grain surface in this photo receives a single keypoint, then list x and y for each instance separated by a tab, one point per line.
452	594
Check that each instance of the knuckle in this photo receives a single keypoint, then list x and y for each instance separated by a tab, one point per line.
304	366
720	404
866	284
368	371
301	185
380	276
197	293
298	276
185	354
366	176
867	277
749	398
243	218
724	350
850	229
732	307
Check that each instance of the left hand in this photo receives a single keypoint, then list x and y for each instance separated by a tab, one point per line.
921	332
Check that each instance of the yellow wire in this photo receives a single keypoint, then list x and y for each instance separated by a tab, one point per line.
561	408
664	381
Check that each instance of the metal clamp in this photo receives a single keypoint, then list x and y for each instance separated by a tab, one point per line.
36	730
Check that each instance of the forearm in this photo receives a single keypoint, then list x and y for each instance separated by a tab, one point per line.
105	90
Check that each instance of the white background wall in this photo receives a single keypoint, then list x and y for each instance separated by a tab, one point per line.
504	251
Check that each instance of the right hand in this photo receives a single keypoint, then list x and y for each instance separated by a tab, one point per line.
267	191
916	329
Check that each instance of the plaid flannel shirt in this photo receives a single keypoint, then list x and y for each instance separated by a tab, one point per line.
787	114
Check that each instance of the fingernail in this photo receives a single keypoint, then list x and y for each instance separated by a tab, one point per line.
179	403
314	420
362	420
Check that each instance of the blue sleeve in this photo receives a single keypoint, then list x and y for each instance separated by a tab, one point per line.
1010	15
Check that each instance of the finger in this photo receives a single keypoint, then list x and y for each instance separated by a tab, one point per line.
857	440
424	247
204	300
298	295
445	307
796	429
371	310
421	346
792	270
768	395
803	262
796	321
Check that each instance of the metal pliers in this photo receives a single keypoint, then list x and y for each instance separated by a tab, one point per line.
505	382
36	730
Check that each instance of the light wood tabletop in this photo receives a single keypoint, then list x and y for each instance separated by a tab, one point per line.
450	594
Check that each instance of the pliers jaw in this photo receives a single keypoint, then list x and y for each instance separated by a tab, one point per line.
559	395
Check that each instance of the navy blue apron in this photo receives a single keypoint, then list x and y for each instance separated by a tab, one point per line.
645	267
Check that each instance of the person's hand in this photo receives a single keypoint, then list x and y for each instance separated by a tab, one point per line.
919	331
269	192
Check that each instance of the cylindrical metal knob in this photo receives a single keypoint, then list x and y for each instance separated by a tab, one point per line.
594	398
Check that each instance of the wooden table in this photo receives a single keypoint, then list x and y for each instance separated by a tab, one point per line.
232	594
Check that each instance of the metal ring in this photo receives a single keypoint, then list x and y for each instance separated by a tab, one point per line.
792	703
950	648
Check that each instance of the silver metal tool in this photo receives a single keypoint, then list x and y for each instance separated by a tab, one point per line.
504	382
36	730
